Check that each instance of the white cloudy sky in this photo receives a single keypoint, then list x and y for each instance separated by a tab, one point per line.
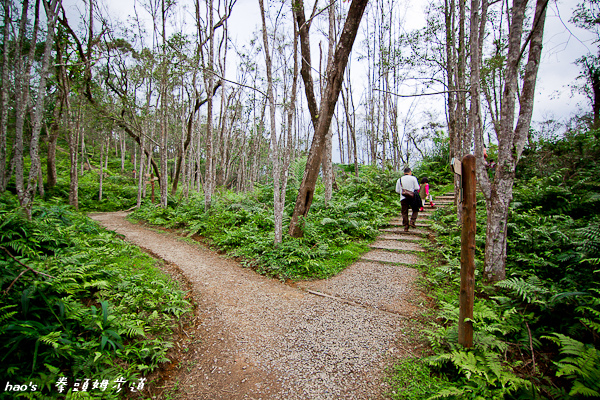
563	44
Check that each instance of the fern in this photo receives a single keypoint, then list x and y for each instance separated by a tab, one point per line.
482	374
51	339
530	290
581	365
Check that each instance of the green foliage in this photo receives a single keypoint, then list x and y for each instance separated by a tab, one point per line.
580	365
412	380
90	306
335	234
550	296
477	374
435	165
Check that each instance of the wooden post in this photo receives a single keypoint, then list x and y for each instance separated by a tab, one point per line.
467	253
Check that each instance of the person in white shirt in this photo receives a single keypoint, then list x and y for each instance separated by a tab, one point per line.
410	183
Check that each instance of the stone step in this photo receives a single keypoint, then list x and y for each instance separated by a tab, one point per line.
395	245
391	257
399	237
399	223
400	230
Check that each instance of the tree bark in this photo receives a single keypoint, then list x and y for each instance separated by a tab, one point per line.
101	171
594	78
27	193
335	75
511	138
306	65
327	158
4	96
22	89
188	137
209	79
53	133
163	112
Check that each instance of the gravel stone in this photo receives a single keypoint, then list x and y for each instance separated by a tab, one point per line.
395	245
401	237
260	338
391	257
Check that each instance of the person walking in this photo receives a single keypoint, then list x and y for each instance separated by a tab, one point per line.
424	193
406	187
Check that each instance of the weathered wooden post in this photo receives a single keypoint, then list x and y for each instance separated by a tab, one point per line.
467	253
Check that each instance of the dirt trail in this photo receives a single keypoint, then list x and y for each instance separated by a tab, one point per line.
257	338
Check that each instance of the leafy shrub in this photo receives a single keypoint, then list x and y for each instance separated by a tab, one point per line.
536	333
335	234
77	303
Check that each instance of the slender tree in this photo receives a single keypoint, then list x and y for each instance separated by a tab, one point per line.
514	126
4	88
334	76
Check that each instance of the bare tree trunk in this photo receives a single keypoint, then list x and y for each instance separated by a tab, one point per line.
123	149
53	133
511	138
4	96
22	82
26	196
163	112
141	181
82	147
101	171
188	137
593	73
327	161
335	75
209	79
351	122
51	154
72	135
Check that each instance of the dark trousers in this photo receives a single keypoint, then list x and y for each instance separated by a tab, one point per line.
405	207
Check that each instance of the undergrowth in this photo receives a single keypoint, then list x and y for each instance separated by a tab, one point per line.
335	235
537	333
78	306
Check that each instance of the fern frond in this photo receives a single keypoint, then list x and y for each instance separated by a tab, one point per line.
51	339
528	290
445	393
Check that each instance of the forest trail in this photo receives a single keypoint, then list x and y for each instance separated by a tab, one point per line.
257	338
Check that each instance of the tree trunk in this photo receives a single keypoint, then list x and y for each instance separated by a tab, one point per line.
511	138
188	137
53	132
72	135
209	79
163	113
27	195
4	96
123	149
594	79
22	89
497	217
102	168
303	27
335	75
141	181
327	159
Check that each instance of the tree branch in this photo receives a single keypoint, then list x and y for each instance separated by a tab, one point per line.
423	94
28	268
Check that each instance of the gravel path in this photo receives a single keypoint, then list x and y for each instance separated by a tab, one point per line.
257	338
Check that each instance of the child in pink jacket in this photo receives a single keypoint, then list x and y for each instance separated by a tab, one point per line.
424	193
